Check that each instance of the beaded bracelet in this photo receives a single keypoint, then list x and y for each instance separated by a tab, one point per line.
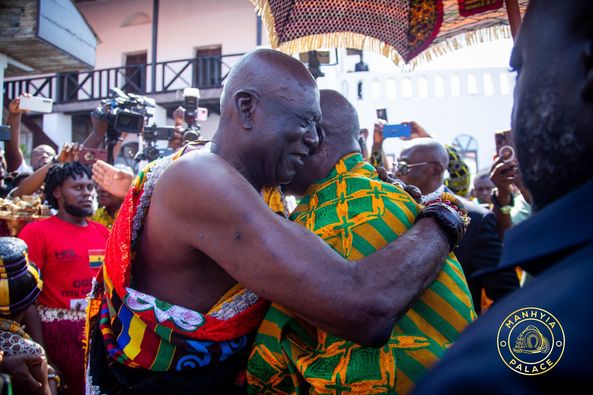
452	202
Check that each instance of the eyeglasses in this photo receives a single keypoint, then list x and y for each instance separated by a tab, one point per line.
404	168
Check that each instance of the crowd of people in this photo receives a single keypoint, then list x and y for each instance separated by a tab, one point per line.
195	276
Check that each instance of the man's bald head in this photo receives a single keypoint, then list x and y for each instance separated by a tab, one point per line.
340	130
269	112
428	146
427	160
339	119
266	72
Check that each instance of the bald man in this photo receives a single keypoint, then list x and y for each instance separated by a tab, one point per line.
422	162
168	313
345	203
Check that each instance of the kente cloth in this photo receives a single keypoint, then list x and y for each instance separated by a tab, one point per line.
141	331
103	217
357	214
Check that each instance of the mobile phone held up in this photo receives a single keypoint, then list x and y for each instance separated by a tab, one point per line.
397	130
505	148
37	104
382	114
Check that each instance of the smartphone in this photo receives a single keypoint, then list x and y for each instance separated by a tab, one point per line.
382	114
397	130
504	145
88	156
37	104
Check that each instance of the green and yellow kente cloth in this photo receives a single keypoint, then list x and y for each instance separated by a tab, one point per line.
357	214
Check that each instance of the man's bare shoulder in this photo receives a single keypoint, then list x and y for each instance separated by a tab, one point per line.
200	181
199	169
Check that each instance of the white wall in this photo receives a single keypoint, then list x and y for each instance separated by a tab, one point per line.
183	25
444	112
58	127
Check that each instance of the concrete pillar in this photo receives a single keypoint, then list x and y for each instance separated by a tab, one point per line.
58	127
3	65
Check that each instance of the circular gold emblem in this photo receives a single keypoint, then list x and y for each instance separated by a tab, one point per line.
530	341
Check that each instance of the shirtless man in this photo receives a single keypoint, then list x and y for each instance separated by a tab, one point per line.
208	228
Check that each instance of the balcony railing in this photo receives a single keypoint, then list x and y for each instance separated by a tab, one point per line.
202	72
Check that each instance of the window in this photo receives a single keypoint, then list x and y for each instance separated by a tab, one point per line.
455	85
472	85
208	67
407	88
68	83
376	90
391	89
345	88
135	73
488	84
439	86
423	87
505	87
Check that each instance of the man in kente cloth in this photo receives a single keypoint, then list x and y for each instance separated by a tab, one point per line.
195	250
352	210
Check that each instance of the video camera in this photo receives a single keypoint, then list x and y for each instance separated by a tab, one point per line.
125	113
150	152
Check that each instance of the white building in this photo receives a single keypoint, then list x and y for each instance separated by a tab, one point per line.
198	41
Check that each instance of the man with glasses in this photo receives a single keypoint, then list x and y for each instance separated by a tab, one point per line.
422	162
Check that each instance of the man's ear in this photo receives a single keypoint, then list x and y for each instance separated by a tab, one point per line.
437	170
245	103
57	193
587	91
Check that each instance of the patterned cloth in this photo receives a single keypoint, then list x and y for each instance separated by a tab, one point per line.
397	29
15	341
459	175
141	331
356	214
103	217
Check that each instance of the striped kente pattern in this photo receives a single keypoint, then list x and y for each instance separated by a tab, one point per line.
356	214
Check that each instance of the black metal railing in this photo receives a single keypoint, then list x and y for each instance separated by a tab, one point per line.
202	72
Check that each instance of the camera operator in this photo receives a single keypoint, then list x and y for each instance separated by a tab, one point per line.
98	137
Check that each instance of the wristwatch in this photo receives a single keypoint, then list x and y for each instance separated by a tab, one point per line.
506	210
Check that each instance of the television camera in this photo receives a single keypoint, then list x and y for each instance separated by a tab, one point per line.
124	113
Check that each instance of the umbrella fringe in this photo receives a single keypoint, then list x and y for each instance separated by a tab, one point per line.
264	10
457	42
367	43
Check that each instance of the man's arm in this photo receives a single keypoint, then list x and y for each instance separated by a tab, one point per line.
31	184
285	263
13	154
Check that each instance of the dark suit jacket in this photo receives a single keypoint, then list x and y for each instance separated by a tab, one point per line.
556	246
480	250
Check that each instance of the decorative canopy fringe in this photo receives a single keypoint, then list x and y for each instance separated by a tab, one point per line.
359	41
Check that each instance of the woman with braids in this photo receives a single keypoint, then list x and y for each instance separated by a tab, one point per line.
68	249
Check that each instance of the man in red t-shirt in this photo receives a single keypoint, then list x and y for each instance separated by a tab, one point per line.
68	249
